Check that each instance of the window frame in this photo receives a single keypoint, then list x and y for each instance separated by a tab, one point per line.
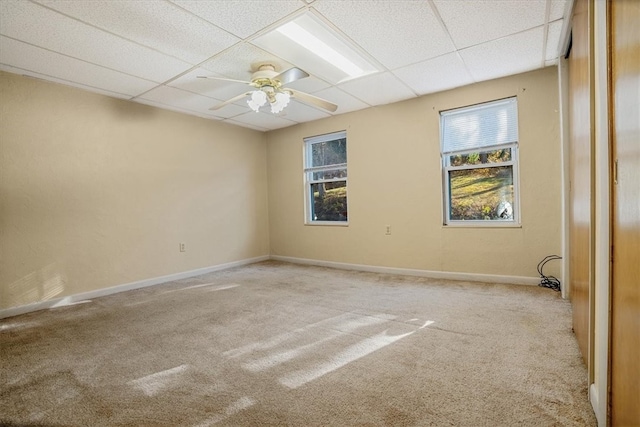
309	170
446	168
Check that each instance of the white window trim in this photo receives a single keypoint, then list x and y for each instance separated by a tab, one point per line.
308	172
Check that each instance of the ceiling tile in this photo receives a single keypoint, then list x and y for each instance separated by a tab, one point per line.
509	55
438	74
218	89
309	84
557	9
156	24
474	22
237	62
45	77
396	33
241	17
553	39
378	89
246	125
189	101
299	112
343	100
263	120
39	26
69	70
126	48
174	108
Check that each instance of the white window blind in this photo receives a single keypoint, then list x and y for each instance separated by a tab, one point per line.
479	126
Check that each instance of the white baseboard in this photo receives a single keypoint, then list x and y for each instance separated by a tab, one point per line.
472	277
78	298
595	404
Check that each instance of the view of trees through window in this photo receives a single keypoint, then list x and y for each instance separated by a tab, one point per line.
330	201
495	156
327	179
481	193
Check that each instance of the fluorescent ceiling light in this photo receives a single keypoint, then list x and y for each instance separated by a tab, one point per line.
309	43
313	44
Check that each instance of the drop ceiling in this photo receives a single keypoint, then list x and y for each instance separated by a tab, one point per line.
152	51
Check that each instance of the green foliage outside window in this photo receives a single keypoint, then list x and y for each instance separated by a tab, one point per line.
328	179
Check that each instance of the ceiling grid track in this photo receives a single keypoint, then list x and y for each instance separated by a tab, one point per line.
152	52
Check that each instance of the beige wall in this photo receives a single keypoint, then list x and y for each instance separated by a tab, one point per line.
98	192
395	179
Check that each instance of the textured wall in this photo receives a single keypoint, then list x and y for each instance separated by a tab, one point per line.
97	192
395	179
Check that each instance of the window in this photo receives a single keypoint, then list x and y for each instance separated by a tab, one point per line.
325	174
480	163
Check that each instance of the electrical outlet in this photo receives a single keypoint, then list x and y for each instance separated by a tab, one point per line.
388	230
183	247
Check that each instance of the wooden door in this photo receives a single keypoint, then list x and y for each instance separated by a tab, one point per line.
624	100
581	176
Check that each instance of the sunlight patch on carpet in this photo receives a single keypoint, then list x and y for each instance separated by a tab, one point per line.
237	406
330	323
282	357
68	301
17	325
357	351
154	383
204	285
223	287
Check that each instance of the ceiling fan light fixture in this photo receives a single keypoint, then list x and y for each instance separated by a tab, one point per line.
258	99
278	100
282	100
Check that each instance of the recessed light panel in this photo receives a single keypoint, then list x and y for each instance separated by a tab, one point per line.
310	44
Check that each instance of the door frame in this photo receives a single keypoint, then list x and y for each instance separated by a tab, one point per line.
599	299
599	380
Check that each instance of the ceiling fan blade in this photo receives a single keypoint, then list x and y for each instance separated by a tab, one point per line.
313	100
223	79
229	101
291	75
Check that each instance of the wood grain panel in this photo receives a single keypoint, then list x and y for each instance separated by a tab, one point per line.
580	174
624	25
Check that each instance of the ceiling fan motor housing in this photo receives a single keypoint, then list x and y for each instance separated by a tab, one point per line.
264	77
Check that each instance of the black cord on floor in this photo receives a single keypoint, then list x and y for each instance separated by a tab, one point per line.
548	281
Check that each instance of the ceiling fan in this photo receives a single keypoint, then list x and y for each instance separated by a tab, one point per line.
270	87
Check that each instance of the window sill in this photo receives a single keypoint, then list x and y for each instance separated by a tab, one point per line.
482	224
329	223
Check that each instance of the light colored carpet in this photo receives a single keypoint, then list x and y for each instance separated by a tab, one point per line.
276	344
